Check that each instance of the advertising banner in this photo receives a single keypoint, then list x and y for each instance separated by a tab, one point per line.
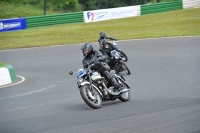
191	4
12	24
112	13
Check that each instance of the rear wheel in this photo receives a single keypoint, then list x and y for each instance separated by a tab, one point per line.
91	97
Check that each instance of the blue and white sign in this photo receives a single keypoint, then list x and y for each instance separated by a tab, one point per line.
112	13
12	24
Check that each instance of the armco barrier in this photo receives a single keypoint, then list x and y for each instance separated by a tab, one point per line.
7	75
47	20
77	17
161	7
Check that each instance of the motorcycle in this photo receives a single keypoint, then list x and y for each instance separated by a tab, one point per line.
95	89
117	63
123	55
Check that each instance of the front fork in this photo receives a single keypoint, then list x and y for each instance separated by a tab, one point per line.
91	89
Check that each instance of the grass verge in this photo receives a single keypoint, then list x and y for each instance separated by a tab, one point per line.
17	10
2	64
174	23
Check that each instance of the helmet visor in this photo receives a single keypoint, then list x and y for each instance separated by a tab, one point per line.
85	51
105	45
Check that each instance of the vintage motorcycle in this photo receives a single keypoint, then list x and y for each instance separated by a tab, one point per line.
95	89
123	55
117	63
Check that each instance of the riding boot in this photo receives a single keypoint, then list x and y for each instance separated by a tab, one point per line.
112	80
115	84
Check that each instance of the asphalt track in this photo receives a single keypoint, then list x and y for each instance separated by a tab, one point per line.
165	95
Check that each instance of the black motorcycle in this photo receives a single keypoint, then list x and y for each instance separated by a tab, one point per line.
123	55
117	63
95	89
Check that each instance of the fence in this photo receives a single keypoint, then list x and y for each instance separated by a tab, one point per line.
76	17
54	19
161	7
79	16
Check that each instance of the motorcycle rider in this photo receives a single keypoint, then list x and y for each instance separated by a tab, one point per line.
104	36
106	49
96	57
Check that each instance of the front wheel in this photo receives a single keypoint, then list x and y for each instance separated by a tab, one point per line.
125	68
124	56
91	97
124	97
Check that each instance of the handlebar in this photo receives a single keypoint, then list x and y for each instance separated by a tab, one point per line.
115	43
90	66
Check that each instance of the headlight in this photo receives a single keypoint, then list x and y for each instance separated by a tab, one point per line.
116	56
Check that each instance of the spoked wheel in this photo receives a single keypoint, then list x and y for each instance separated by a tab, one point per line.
91	97
125	68
126	95
124	57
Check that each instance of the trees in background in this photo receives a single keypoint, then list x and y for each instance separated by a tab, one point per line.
103	4
80	5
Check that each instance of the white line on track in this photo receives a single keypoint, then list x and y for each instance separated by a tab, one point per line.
43	104
22	80
28	93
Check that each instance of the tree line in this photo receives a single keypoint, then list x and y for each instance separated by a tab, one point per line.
81	5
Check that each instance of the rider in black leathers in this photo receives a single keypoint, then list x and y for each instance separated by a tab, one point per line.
106	49
96	57
102	37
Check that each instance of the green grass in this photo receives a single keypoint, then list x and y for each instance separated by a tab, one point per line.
2	64
17	10
174	23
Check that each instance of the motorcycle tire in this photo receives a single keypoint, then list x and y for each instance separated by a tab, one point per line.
126	68
91	98
124	58
124	97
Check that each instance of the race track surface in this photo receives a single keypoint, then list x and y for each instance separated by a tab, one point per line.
164	81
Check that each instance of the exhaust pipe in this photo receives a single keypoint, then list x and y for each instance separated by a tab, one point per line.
124	90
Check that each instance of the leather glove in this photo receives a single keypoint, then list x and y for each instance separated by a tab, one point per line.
86	66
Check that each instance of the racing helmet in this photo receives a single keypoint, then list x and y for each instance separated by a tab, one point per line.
102	34
87	49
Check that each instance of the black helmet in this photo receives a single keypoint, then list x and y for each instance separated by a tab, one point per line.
102	34
87	49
